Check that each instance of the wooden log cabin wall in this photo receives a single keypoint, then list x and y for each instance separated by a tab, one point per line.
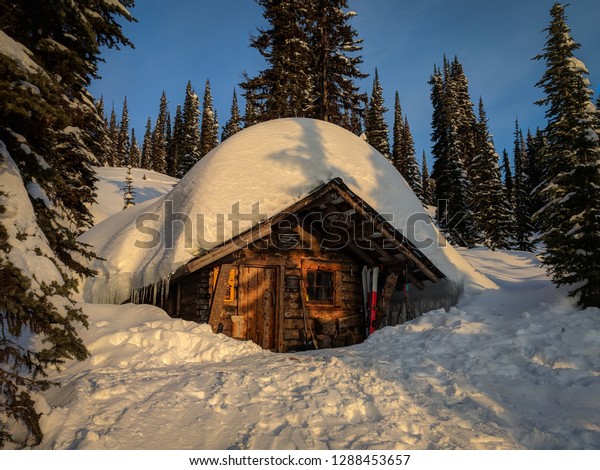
294	281
283	300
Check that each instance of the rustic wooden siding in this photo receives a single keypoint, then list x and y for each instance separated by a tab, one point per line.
267	313
193	295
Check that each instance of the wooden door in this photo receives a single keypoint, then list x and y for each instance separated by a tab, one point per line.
258	304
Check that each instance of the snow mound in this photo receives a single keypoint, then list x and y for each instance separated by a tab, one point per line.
135	337
258	172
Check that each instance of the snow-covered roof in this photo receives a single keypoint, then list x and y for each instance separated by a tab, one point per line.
256	173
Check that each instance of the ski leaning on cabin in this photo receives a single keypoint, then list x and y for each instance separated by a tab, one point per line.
370	279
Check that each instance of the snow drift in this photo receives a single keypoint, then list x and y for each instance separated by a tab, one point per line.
512	368
259	172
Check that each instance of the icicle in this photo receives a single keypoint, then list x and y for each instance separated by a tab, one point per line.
167	285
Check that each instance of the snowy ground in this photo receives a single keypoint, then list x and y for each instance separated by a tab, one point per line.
110	189
515	367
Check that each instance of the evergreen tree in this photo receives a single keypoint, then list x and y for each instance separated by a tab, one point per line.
523	228
354	121
102	144
463	114
284	88
570	219
209	130
46	138
174	150
215	130
135	155
426	183
250	114
534	171
376	128
159	138
508	180
122	147
398	147
311	52
113	137
234	125
453	187
412	176
128	191
168	141
336	61
492	210
146	158
190	140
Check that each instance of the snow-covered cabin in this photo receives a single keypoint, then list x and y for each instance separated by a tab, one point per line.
266	238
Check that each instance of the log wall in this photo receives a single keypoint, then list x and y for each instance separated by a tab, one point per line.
300	324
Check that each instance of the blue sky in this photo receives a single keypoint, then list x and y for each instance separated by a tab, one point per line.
494	40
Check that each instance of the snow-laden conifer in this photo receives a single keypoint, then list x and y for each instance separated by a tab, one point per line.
51	50
570	218
209	129
189	151
491	207
376	129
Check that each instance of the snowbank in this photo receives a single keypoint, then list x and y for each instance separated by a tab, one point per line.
136	337
274	164
515	367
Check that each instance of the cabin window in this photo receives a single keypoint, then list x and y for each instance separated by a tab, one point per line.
319	286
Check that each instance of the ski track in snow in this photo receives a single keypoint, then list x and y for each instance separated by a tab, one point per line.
507	369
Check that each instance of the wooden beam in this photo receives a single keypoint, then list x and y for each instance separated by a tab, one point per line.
350	246
414	281
392	238
260	231
379	249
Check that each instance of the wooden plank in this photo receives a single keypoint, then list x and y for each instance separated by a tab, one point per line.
268	308
248	284
260	231
218	297
350	322
238	327
327	327
369	260
279	347
292	334
296	323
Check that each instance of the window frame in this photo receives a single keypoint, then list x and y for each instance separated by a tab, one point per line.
325	266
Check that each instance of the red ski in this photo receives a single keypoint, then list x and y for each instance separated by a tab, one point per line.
373	300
